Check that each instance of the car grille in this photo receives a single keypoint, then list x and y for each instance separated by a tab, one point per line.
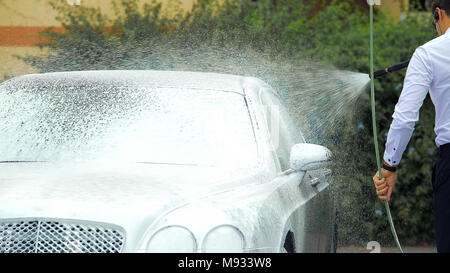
47	236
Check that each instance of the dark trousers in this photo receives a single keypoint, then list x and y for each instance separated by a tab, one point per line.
441	199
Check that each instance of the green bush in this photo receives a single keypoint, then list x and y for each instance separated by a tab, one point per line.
278	39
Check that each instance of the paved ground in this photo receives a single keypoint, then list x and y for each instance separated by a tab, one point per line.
407	249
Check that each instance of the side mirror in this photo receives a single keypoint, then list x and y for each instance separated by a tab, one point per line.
308	157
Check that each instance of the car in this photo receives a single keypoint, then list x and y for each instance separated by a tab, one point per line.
158	161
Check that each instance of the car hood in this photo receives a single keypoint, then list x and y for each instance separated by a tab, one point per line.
119	194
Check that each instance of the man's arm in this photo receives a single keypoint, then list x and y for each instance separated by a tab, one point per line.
416	85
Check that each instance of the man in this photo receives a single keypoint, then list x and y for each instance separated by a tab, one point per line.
429	70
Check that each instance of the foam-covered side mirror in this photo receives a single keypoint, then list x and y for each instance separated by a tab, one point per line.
308	157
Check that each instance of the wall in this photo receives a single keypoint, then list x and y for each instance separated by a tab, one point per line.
22	20
395	8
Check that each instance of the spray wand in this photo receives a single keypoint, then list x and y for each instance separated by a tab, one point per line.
390	69
375	135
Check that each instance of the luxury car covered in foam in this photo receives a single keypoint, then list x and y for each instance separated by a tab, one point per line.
157	161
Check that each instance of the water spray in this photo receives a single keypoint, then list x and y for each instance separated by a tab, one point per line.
375	138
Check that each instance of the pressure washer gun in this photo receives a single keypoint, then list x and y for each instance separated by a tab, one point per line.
390	69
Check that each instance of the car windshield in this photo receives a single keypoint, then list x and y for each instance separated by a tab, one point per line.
59	122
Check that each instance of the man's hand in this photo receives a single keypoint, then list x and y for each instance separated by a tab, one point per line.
385	186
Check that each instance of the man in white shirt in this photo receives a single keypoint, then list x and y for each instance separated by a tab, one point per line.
428	71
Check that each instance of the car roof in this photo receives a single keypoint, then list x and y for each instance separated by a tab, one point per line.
198	80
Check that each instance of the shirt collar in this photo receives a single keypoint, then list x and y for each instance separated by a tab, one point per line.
448	30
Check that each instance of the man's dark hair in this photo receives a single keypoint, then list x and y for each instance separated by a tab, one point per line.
442	4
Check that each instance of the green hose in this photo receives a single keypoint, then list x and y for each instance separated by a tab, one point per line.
374	125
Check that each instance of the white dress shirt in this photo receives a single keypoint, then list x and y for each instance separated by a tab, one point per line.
429	70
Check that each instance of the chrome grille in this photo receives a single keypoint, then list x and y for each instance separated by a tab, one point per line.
48	236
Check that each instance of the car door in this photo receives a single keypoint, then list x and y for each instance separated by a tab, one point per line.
309	225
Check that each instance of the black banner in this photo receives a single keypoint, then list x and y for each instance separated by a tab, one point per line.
283	263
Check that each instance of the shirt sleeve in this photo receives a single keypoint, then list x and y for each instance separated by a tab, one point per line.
415	88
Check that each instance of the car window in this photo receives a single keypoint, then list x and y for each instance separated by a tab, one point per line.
131	123
280	123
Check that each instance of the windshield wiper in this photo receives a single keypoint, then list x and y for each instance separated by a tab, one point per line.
20	161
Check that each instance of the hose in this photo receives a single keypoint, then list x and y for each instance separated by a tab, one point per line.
374	126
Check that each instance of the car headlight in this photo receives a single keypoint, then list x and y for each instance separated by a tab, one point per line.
224	239
173	239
